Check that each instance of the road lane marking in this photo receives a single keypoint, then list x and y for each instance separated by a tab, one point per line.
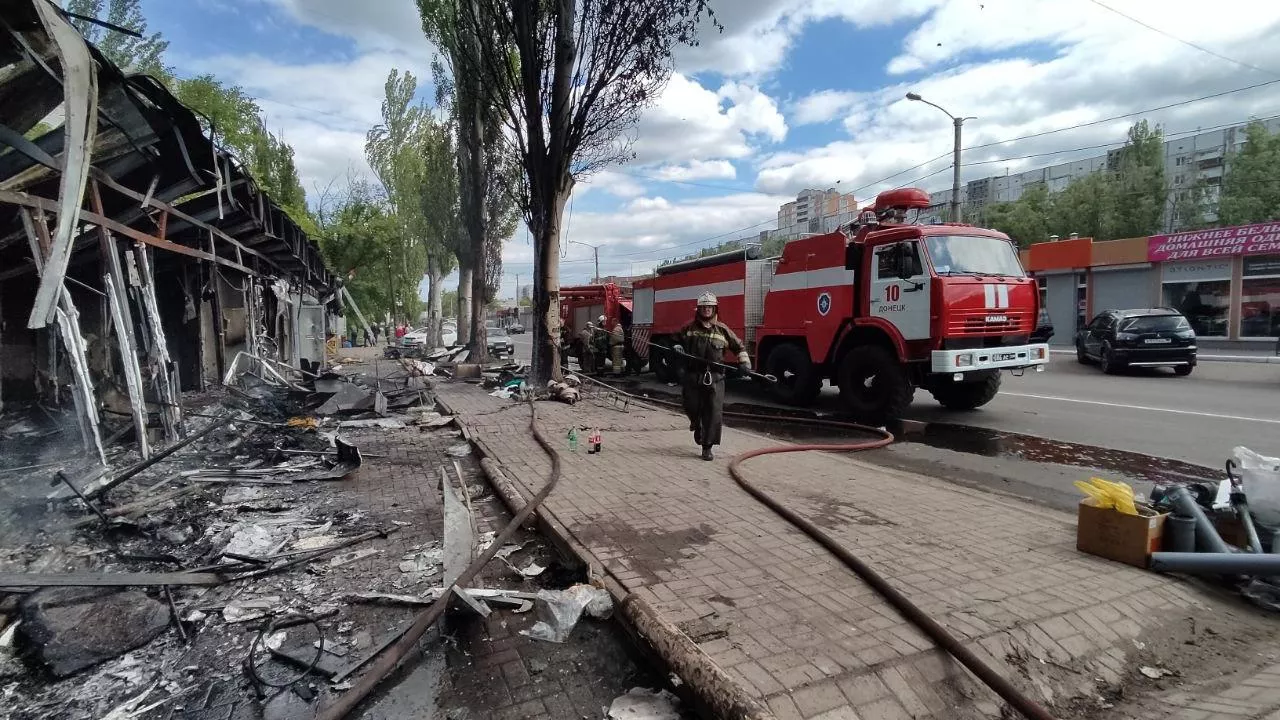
1144	407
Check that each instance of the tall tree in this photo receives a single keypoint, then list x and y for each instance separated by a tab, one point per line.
1191	207
438	199
1136	190
1251	187
1026	219
392	152
437	24
568	78
133	54
1080	207
502	182
356	236
231	115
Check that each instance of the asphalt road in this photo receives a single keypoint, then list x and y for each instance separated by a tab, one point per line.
1196	419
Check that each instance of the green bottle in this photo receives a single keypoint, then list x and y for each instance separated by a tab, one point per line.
573	439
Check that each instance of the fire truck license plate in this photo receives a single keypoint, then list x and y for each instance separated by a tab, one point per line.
1001	357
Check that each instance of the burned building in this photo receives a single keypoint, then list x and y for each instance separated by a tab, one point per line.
138	259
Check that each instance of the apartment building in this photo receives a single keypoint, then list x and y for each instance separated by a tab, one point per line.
815	211
1188	159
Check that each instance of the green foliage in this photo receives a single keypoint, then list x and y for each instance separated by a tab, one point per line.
359	241
1136	190
227	111
1251	188
1127	200
449	303
1191	206
138	55
1026	219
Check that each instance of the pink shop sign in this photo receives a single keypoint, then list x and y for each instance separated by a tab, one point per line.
1256	239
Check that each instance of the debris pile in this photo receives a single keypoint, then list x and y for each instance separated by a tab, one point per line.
1229	530
231	563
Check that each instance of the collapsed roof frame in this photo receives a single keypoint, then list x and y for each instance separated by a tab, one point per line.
127	162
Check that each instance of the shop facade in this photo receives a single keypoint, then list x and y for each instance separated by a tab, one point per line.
1226	281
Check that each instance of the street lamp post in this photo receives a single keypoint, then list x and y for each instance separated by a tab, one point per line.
958	122
595	249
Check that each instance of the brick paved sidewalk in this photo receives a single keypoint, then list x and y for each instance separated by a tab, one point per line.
795	628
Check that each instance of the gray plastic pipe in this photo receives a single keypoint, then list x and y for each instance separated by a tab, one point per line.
1242	507
1216	563
1207	536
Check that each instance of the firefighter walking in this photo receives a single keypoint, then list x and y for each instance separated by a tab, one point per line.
704	341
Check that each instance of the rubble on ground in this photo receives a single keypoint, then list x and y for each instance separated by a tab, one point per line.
236	546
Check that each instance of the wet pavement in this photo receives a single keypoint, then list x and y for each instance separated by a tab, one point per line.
1036	468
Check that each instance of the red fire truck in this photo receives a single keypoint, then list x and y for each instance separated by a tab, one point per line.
879	307
580	304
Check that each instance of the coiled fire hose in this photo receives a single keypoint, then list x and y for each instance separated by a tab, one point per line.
998	683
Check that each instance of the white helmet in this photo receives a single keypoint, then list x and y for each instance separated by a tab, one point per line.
707	299
600	320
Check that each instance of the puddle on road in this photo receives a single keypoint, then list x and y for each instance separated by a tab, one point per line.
972	441
1029	448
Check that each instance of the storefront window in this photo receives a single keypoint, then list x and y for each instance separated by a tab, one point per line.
1205	304
1260	297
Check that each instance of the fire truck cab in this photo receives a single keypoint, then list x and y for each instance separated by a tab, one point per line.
878	308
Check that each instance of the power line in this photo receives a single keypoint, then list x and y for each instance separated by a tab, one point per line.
1119	142
1188	43
1121	117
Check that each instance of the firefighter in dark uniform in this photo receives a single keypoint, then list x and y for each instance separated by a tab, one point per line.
704	341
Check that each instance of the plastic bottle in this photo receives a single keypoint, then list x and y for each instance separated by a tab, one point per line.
573	439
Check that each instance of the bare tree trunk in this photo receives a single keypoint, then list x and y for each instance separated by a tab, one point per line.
475	220
464	304
546	294
433	299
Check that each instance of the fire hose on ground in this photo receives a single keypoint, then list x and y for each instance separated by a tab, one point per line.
939	635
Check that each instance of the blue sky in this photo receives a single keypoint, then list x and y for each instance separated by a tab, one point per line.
793	94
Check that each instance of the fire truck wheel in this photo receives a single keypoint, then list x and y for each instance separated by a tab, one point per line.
873	385
966	395
798	381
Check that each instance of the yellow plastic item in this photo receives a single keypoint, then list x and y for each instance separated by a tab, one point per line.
1109	494
308	423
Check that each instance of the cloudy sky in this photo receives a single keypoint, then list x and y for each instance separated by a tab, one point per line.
793	94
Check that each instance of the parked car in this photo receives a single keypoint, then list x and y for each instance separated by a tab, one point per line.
499	341
418	338
515	329
1154	337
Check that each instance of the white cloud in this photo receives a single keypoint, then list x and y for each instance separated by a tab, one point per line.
1103	66
698	170
646	230
618	184
758	33
689	122
823	106
382	25
322	109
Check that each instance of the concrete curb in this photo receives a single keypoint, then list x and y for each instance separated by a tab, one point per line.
712	687
1257	359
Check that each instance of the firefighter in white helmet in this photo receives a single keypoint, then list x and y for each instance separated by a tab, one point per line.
703	342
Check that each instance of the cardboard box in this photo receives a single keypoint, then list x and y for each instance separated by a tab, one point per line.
1116	536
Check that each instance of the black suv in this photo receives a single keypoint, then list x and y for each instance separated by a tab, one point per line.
1156	337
